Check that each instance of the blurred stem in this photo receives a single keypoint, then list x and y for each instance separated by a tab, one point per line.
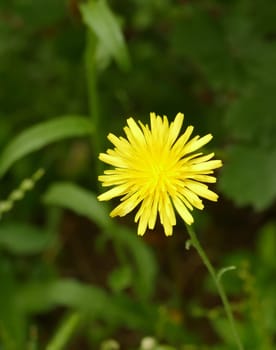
195	242
65	332
19	193
92	91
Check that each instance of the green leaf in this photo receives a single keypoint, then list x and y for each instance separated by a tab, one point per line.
41	135
248	176
83	202
100	19
13	325
200	38
36	296
88	299
70	196
120	278
145	263
251	118
24	239
222	328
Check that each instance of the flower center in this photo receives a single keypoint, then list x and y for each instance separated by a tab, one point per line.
159	176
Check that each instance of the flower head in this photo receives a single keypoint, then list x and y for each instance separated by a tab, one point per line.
159	171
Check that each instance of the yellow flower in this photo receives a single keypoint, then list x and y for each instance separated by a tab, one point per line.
157	169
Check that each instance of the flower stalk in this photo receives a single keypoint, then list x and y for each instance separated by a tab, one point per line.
217	281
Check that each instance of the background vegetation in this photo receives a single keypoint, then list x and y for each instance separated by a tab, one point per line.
72	71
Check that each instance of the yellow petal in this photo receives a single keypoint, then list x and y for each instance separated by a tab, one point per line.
183	211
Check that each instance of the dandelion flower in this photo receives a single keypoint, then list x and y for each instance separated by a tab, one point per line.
159	171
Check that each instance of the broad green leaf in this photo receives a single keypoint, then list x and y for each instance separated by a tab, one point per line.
41	135
88	299
99	18
120	278
70	196
251	118
12	322
83	202
38	296
223	330
145	263
262	67
200	38
248	176
24	239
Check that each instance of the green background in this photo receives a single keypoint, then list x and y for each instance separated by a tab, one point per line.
70	73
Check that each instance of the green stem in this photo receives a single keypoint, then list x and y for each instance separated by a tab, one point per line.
65	332
91	76
195	242
92	91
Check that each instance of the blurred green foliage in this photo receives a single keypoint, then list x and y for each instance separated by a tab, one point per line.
71	71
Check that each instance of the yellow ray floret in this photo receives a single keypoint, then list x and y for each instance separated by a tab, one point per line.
156	169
